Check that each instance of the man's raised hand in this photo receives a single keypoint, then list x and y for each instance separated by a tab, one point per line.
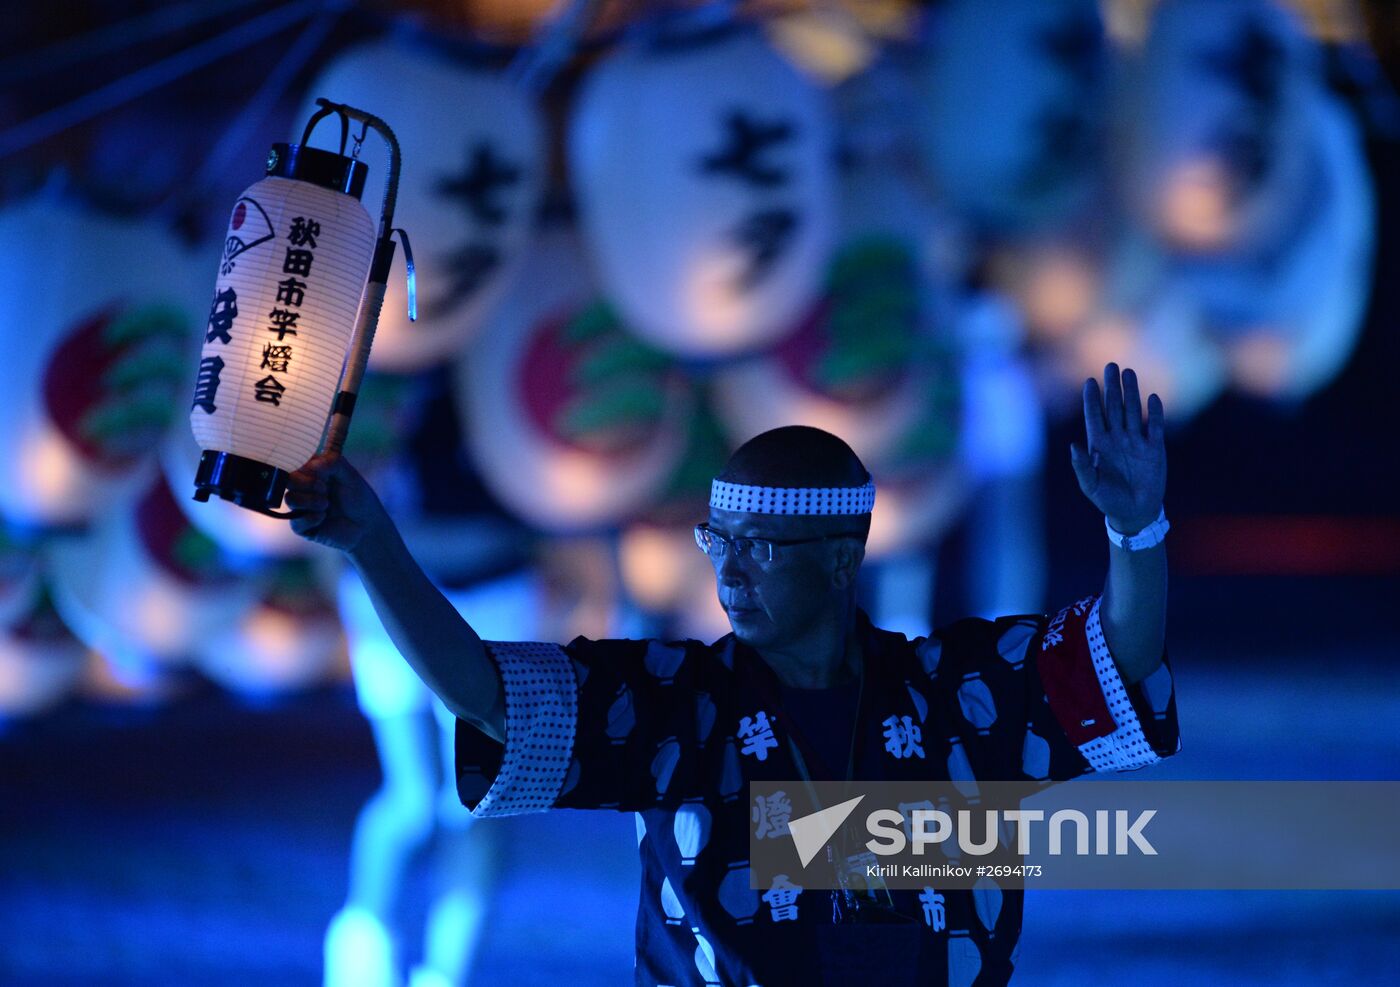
1124	470
339	507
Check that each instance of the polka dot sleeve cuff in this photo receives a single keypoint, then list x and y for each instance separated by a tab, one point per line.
1126	747
541	700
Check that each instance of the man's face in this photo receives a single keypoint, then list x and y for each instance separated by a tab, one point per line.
774	603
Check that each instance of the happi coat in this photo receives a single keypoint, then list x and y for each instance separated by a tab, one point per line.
674	731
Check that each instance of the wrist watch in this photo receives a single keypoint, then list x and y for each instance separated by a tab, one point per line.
1146	538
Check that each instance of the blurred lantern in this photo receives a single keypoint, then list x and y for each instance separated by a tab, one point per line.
663	573
666	575
914	509
573	424
703	168
1216	161
872	359
469	192
1013	108
1289	325
278	354
290	639
1278	244
94	336
1057	286
1161	335
143	587
40	660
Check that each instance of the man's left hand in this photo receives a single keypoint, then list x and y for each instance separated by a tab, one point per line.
1124	470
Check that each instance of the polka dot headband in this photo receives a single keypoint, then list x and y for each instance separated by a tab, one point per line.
806	501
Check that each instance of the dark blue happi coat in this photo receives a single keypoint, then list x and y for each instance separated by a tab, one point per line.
674	732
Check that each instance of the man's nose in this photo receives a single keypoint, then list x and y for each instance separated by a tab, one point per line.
731	573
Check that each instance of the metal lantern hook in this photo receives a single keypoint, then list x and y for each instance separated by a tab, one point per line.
373	300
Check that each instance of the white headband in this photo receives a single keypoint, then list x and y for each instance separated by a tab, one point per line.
727	496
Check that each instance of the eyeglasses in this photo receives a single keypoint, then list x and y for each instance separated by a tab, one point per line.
762	550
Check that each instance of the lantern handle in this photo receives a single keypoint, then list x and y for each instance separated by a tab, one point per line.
371	122
326	110
362	337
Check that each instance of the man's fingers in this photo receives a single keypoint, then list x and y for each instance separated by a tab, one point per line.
1094	423
312	499
306	524
1156	420
1132	403
1112	397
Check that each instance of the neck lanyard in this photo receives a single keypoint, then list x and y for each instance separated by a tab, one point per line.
843	901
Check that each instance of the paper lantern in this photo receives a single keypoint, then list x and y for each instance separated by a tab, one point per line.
294	266
704	177
520	389
94	334
40	660
1287	325
1216	162
141	586
1011	108
290	639
468	191
868	361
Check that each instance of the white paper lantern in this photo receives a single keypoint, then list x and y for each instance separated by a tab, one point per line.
1013	108
294	266
515	378
706	189
94	331
470	185
124	590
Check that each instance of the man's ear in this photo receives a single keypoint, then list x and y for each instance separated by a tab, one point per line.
846	562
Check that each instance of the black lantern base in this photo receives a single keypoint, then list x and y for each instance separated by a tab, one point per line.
247	482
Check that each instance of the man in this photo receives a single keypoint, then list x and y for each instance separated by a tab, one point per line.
803	687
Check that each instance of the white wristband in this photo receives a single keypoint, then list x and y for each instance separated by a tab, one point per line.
1146	538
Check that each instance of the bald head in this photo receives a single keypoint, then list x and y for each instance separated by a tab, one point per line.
795	456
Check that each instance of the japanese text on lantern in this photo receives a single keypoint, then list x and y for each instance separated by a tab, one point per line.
219	329
282	320
748	156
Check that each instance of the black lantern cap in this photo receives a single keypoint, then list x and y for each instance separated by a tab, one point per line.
247	482
319	167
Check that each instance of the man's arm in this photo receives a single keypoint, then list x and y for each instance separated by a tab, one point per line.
1124	474
342	511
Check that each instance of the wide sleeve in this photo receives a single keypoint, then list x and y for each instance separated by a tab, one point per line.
1078	699
1038	697
589	725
